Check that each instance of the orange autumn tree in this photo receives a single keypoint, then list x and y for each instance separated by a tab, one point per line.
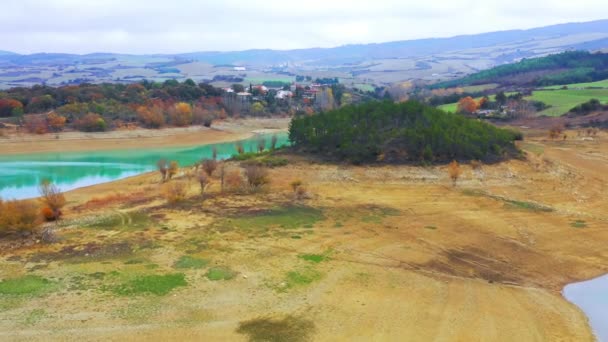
55	121
467	105
152	117
181	114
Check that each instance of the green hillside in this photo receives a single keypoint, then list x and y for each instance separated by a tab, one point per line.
561	101
598	84
563	68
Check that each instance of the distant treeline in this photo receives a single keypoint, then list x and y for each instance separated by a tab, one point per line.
400	132
41	98
563	68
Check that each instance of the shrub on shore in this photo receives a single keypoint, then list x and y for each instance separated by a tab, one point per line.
18	217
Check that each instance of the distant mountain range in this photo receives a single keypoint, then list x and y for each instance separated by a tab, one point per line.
382	63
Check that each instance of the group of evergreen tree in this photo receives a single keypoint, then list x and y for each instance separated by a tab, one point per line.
400	132
563	68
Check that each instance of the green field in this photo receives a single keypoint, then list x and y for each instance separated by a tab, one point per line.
598	84
364	87
561	101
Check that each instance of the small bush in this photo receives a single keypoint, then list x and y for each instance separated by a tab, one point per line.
53	199
234	180
261	145
454	171
162	167
257	176
175	192
173	169
295	184
220	273
18	217
273	142
476	165
240	149
152	284
209	166
187	261
204	182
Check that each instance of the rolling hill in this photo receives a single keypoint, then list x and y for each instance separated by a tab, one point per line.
383	63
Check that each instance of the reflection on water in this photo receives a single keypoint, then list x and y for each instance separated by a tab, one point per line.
21	174
592	297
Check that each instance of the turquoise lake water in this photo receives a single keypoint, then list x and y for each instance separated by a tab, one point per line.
592	297
21	174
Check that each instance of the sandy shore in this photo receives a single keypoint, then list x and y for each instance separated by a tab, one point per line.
21	143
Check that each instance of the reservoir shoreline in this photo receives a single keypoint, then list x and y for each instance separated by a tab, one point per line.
591	297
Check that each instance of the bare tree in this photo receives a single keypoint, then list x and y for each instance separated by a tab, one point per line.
209	166
261	145
257	176
273	142
454	171
173	168
214	152
52	198
204	181
162	167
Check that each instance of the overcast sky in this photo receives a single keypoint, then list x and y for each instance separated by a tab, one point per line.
172	26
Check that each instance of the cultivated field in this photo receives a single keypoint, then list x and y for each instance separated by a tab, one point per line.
370	253
561	101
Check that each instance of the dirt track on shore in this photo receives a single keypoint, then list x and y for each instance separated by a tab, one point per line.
229	130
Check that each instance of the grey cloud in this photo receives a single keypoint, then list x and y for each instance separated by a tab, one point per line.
161	26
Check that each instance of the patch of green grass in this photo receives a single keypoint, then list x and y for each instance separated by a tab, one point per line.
220	273
515	204
597	84
316	258
151	284
291	217
301	278
527	205
187	261
290	328
578	224
561	101
29	285
375	214
35	316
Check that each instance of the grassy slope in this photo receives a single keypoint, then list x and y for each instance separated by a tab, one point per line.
561	101
598	84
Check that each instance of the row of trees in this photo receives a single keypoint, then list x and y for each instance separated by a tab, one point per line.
403	132
563	68
42	98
